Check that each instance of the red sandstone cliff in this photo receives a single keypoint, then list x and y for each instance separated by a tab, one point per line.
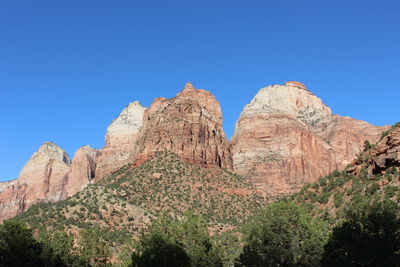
286	137
189	125
41	179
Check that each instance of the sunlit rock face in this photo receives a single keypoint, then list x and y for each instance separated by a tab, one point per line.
286	136
383	156
190	125
41	179
121	140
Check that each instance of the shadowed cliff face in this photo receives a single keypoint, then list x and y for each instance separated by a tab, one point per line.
286	137
189	125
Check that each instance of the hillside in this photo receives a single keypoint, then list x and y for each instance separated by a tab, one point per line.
374	175
123	203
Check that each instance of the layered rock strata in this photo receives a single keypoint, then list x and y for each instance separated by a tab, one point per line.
190	125
81	172
121	140
41	179
286	136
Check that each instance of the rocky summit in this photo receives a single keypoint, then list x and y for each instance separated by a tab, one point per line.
121	139
41	179
189	125
285	137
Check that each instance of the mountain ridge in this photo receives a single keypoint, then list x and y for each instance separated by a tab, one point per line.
190	125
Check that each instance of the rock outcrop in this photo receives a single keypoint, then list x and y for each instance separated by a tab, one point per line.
41	179
386	153
81	172
347	136
379	158
286	137
190	125
121	140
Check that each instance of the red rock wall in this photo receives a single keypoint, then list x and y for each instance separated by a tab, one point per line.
189	125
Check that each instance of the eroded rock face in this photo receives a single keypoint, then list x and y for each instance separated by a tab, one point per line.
286	137
81	172
384	155
50	176
190	125
347	136
41	179
121	140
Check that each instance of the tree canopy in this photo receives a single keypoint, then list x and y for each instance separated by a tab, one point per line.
181	241
370	236
283	234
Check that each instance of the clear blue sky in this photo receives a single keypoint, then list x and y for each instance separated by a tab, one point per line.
67	68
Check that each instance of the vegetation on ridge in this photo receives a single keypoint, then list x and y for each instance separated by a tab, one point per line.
139	217
121	207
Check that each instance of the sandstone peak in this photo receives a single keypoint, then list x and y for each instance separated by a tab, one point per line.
296	84
286	136
189	86
189	125
120	139
87	149
128	122
50	150
41	179
288	100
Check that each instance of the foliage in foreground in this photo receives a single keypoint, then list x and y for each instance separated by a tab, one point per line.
368	237
181	241
19	248
284	234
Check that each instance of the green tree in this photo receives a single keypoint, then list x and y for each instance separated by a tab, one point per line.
18	247
370	236
229	247
367	145
283	234
159	251
93	249
189	233
58	250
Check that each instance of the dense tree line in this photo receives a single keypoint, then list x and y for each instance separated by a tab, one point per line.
283	234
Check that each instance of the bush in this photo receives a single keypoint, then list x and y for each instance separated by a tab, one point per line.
283	235
188	235
18	247
370	236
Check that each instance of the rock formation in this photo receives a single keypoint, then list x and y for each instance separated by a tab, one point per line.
387	152
81	172
286	137
121	139
190	125
384	155
50	176
41	179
